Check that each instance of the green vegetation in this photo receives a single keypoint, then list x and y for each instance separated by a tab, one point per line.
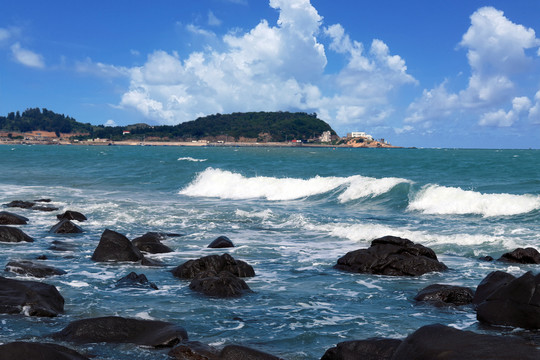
251	126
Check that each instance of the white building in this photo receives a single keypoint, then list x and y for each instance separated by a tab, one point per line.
326	136
359	134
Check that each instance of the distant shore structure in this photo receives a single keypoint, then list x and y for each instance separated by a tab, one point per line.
359	134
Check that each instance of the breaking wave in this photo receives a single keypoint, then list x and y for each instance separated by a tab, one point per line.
189	158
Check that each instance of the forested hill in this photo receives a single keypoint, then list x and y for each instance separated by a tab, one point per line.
262	126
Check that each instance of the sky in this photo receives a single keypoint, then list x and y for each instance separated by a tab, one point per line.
423	73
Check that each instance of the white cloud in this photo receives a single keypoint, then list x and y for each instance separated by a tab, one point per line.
213	20
100	69
500	118
194	29
27	57
4	34
110	122
534	112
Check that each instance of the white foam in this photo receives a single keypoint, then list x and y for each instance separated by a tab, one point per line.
189	158
361	187
442	200
265	214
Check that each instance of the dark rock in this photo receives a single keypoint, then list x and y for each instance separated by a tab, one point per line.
151	243
522	256
191	268
42	257
221	242
134	280
486	258
39	351
65	227
194	350
151	262
493	281
369	349
443	295
516	303
11	234
58	245
238	352
442	342
114	246
26	267
71	215
115	329
44	208
21	204
7	218
391	255
43	200
29	297
223	284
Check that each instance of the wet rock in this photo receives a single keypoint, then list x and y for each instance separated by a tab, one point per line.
444	295
516	304
58	245
44	208
7	218
221	242
490	283
369	349
25	267
65	227
238	352
194	350
29	297
391	255
21	204
71	215
222	284
134	280
442	342
115	329
43	200
486	258
114	246
41	351
151	243
521	256
216	263
151	262
11	234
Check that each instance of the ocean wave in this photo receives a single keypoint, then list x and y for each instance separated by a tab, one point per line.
442	200
189	158
229	185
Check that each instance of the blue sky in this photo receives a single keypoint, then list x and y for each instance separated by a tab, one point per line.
425	73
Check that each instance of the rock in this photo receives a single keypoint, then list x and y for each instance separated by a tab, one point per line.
486	258
71	215
391	255
221	242
11	234
26	267
442	342
194	350
490	283
151	262
238	352
223	284
114	246
21	204
41	351
44	208
134	280
369	349
443	295
7	218
115	329
29	297
151	243
522	256
65	227
217	263
58	245
516	304
43	200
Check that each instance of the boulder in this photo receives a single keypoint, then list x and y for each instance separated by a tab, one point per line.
443	342
58	245
7	218
238	352
44	208
369	349
134	280
216	263
65	227
444	295
221	242
29	297
391	255
26	267
151	243
521	256
114	246
21	204
115	329
493	281
11	234
194	350
151	262
516	304
222	284
41	351
71	215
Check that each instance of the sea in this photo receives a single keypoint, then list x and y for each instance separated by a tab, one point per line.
291	213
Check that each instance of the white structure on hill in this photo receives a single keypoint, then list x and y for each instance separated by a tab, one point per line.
359	134
326	136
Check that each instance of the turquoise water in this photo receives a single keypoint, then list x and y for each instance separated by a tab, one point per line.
292	212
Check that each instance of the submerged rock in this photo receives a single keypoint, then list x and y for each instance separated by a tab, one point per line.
42	351
216	263
369	349
26	267
71	215
443	295
115	329
134	280
521	256
11	234
222	284
114	246
194	350
391	255
21	204
7	218
151	243
221	242
239	352
65	227
32	298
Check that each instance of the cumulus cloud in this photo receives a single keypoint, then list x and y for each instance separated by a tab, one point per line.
27	57
110	122
534	111
271	67
496	52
